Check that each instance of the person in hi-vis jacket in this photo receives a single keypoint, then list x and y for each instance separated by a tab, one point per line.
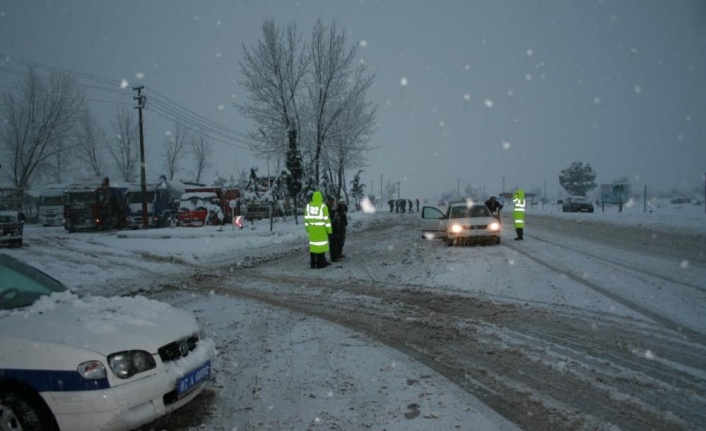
518	212
318	227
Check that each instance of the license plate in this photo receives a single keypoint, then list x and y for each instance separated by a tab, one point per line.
193	378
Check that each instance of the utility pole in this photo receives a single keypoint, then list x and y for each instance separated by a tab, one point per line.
381	196
140	105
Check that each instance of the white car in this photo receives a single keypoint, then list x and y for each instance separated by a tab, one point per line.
93	363
463	222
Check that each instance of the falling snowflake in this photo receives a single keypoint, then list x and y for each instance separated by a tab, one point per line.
530	53
221	107
403	81
505	145
597	100
363	43
124	84
489	103
466	96
140	75
638	89
684	264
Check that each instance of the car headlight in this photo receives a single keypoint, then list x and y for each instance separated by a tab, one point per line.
92	370
494	226
456	228
130	362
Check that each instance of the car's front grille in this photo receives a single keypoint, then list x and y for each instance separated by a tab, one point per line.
479	227
178	349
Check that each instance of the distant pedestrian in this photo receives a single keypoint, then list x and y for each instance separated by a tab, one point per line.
518	213
391	203
416	200
411	209
318	228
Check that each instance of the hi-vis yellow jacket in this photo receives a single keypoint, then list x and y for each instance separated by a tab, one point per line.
317	223
518	211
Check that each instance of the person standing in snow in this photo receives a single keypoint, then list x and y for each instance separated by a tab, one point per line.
416	200
518	212
318	228
334	236
340	223
494	206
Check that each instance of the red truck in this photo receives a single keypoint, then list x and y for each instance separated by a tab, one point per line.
207	206
94	204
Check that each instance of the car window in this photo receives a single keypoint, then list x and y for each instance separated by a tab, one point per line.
479	211
458	212
21	285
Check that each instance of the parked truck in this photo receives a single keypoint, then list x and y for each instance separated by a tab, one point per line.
94	204
207	205
50	205
199	209
160	206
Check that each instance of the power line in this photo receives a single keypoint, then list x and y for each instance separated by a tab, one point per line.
162	105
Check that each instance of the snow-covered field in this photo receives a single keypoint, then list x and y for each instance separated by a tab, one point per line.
284	370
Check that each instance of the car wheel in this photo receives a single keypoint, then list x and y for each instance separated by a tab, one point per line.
497	240
22	410
449	242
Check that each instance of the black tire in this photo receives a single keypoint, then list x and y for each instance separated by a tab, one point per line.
24	410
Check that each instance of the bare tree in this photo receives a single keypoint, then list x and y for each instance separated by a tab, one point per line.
274	71
350	141
36	123
124	147
334	86
174	146
201	150
89	140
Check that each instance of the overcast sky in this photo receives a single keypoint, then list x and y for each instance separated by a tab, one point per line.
492	93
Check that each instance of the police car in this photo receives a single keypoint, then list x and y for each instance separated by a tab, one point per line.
72	363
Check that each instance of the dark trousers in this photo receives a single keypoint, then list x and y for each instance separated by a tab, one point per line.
334	246
519	232
317	260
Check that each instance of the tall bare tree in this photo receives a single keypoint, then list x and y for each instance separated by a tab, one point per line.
201	150
124	146
36	122
273	73
335	85
89	140
174	146
350	141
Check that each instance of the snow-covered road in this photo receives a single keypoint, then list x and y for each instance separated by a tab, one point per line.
584	325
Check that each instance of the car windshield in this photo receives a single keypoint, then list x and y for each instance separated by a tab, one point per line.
21	285
466	212
579	199
8	217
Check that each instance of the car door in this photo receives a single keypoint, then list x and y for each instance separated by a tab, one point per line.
433	223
